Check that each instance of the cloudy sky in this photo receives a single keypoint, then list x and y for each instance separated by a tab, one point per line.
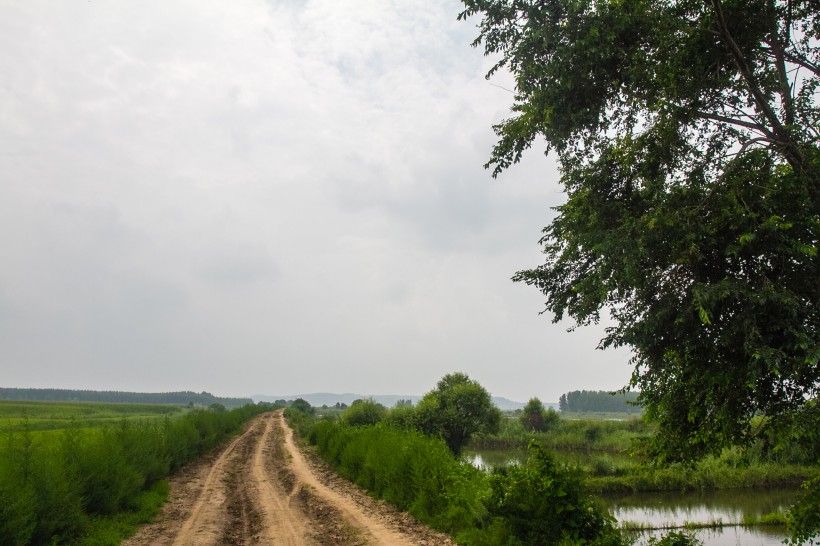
275	197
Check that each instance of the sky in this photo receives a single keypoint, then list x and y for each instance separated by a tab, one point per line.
269	197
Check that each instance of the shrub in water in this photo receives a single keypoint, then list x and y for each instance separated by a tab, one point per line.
543	503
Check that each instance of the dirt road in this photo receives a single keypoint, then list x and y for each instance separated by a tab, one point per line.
262	489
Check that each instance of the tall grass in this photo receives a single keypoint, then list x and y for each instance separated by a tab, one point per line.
54	484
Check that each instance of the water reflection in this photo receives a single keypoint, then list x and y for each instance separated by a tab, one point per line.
733	506
730	536
730	506
487	459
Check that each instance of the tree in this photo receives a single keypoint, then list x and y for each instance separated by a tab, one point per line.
536	418
599	401
532	417
687	137
364	412
302	405
457	409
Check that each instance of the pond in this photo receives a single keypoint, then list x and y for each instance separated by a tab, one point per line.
729	507
675	508
488	459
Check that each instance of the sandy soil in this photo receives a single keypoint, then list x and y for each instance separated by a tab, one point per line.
262	488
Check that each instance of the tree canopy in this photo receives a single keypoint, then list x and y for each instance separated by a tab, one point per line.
457	409
687	137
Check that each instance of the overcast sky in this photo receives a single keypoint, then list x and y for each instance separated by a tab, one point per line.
268	197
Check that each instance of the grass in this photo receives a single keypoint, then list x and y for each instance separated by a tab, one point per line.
44	415
771	519
112	530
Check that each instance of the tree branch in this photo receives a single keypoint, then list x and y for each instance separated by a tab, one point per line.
788	147
780	63
749	143
794	59
746	71
803	62
740	123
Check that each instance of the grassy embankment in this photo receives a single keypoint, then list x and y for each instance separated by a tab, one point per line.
89	473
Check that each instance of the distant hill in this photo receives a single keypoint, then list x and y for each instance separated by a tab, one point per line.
70	395
319	399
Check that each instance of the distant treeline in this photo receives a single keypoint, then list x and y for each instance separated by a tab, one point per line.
69	395
599	401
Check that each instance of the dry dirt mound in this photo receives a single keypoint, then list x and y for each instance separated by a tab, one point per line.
262	489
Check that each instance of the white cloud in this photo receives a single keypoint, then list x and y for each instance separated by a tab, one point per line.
250	197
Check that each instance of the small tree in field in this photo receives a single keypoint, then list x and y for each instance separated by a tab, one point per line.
457	409
536	418
533	416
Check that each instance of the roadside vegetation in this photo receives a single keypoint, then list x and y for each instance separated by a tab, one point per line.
561	465
535	503
410	457
83	473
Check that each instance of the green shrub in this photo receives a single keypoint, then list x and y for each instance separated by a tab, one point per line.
804	518
18	518
401	417
543	503
364	412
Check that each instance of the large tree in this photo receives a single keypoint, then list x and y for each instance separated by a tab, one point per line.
456	409
687	137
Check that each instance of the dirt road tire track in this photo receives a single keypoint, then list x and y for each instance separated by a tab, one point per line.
372	530
284	522
261	489
206	511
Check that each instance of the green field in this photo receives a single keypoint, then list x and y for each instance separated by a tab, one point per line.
16	415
